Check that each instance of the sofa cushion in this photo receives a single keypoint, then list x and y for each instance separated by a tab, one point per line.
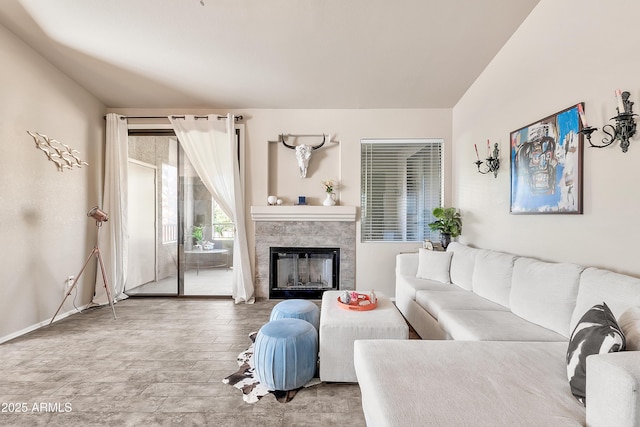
492	276
629	322
597	332
435	301
462	264
545	293
488	325
434	265
597	285
457	383
407	264
409	285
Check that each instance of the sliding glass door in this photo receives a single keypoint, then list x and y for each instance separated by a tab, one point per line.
208	239
152	267
180	242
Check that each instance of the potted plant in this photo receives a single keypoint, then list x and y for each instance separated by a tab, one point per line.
448	222
197	233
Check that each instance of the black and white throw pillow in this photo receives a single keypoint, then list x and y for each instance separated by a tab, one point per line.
597	332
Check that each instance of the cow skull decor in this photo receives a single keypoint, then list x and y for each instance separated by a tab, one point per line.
303	153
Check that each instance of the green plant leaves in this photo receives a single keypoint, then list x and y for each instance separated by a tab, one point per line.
448	221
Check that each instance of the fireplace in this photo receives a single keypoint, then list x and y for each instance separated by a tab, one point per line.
302	272
304	227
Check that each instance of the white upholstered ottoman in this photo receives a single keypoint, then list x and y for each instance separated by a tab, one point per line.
339	328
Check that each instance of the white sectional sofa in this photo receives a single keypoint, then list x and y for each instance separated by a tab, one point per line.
494	348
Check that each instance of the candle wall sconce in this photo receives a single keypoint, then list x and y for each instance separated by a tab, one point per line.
625	125
491	163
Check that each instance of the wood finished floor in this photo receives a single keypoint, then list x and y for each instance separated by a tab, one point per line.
160	363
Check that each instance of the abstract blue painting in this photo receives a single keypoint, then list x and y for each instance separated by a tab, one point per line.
546	165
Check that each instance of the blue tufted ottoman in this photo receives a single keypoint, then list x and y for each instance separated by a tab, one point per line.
297	309
285	354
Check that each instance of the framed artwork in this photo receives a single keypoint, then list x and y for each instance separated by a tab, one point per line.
546	165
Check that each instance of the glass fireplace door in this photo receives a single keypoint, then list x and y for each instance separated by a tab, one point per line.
303	272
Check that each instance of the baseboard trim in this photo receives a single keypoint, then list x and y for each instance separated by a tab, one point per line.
31	328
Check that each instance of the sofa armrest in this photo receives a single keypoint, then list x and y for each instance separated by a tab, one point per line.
407	264
613	389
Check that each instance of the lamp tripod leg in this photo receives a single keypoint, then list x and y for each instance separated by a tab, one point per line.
106	283
75	282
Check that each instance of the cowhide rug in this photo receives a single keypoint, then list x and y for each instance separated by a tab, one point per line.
246	381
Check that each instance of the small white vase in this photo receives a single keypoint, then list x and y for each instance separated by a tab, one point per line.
329	200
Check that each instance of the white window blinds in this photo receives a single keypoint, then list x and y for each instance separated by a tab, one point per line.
401	185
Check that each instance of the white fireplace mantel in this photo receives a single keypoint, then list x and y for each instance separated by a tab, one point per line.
303	213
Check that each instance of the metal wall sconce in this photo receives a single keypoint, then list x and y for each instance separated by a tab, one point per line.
624	129
491	163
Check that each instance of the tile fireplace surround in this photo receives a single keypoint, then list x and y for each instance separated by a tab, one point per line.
304	226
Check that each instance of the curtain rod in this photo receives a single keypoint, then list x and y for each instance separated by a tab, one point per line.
237	118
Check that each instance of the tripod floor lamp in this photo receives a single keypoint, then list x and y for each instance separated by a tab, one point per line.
100	218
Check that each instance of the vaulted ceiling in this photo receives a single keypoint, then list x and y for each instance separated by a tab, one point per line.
269	54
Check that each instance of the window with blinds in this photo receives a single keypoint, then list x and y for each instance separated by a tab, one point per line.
401	185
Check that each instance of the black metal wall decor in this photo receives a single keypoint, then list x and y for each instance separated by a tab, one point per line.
491	163
625	124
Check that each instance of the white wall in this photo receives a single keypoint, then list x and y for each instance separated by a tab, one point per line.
375	262
46	235
564	53
271	168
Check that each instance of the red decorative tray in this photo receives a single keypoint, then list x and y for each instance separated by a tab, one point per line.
354	304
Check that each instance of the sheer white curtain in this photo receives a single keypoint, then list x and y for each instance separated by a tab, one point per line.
210	145
114	235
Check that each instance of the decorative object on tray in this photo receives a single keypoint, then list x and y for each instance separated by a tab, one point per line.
357	301
246	381
546	165
345	297
448	222
330	185
272	200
